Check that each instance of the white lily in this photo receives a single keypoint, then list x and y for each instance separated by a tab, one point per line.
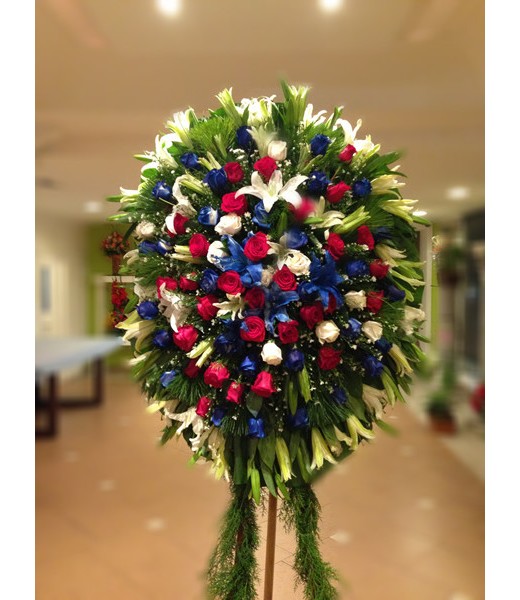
384	184
135	327
328	218
180	125
162	143
173	307
263	138
187	418
365	148
375	399
131	256
310	119
259	109
148	292
274	190
235	305
356	429
389	255
402	365
342	437
400	207
349	131
411	316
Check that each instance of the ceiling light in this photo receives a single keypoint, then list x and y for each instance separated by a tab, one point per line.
459	192
92	207
419	213
330	5
169	7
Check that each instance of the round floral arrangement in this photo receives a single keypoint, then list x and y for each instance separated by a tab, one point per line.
114	244
276	307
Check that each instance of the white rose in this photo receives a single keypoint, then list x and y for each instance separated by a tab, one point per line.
296	262
373	330
145	230
271	354
327	332
277	150
229	224
267	276
356	300
216	252
212	216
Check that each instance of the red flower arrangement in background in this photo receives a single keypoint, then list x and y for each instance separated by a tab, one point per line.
119	298
114	244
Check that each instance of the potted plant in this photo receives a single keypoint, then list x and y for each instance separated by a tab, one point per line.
440	403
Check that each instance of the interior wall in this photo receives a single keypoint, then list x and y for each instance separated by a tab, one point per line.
60	290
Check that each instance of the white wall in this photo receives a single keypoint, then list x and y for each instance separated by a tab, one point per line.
61	250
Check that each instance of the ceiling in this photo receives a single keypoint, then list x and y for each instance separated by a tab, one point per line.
109	75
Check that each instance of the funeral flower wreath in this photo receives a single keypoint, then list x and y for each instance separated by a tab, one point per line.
277	304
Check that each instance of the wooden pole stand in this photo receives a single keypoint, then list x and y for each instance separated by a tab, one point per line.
270	547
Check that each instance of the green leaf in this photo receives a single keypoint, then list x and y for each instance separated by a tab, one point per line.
387	428
294	443
239	468
268	478
281	486
266	447
254	476
254	404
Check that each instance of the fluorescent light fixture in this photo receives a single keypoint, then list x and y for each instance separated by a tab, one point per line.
169	7
92	207
459	192
331	5
419	213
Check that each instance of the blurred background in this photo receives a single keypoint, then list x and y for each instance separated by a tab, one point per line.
118	518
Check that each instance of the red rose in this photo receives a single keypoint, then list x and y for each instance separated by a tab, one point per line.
203	406
229	282
375	301
328	358
185	337
285	280
312	314
191	370
231	203
266	167
188	285
364	236
336	192
216	374
235	392
263	385
332	305
255	298
170	284
253	329
179	225
335	245
378	268
256	247
205	307
234	172
306	208
347	153
198	245
288	332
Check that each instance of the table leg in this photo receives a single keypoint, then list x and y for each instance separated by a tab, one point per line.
98	381
50	407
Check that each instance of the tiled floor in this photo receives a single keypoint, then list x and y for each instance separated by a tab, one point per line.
118	518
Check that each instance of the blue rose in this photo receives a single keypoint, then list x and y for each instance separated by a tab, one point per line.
147	310
217	181
249	366
190	160
244	138
383	345
353	331
260	216
295	360
381	233
373	367
339	395
147	247
208	216
295	238
163	247
357	268
167	377
162	190
228	343
218	414
255	428
162	339
208	281
319	144
361	188
317	183
299	420
394	294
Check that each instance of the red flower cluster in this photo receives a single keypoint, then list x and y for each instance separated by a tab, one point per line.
114	244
